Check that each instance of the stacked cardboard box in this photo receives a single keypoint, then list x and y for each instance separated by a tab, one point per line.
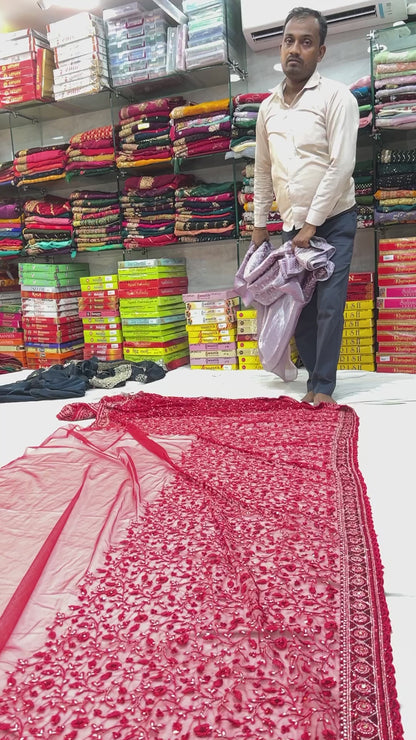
136	43
212	329
358	339
51	324
12	347
152	310
396	303
26	64
247	344
100	315
80	54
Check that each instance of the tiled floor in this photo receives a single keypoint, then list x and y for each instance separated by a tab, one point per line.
385	405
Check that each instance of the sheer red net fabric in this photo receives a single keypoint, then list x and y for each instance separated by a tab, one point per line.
225	583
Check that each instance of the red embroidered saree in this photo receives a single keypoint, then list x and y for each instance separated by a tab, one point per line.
203	568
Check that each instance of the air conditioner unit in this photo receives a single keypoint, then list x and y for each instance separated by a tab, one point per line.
262	20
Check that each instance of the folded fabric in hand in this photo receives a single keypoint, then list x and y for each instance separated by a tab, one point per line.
278	283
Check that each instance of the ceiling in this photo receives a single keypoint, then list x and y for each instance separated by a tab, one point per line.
16	14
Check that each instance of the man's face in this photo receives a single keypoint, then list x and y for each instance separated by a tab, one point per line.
301	50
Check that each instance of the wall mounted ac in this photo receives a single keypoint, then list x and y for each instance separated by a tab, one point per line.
262	20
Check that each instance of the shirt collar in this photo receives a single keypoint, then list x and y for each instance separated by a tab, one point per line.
312	82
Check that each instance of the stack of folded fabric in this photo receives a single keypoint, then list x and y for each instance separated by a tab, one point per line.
246	200
363	179
358	339
91	153
100	314
96	220
361	89
47	225
205	212
152	310
10	228
148	206
247	344
40	164
80	53
200	129
144	132
52	326
7	175
243	131
395	89
12	347
396	187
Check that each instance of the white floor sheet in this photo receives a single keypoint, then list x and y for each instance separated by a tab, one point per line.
385	404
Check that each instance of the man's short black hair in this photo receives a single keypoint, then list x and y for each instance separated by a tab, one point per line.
303	13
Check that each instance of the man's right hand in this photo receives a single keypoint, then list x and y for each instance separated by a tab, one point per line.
259	235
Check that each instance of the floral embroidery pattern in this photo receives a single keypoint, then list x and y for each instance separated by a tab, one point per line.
241	604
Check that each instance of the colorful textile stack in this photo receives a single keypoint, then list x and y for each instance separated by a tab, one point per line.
396	303
205	212
40	164
91	153
52	326
144	133
362	93
396	187
243	131
200	129
99	311
148	207
212	325
80	55
7	175
246	200
358	339
152	310
395	89
136	43
96	220
207	32
363	178
10	228
12	347
26	67
47	226
247	344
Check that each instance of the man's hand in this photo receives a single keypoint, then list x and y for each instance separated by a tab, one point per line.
304	236
259	235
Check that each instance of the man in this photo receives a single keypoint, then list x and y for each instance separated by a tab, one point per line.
306	139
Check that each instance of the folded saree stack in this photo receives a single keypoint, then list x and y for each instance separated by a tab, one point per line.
361	89
47	225
91	153
148	207
395	89
40	164
211	324
10	228
12	347
243	131
143	133
200	129
364	197
205	212
152	310
396	186
7	173
246	201
96	220
52	326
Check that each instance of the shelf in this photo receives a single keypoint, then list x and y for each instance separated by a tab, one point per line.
36	111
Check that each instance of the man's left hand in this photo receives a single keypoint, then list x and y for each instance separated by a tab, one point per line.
304	236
